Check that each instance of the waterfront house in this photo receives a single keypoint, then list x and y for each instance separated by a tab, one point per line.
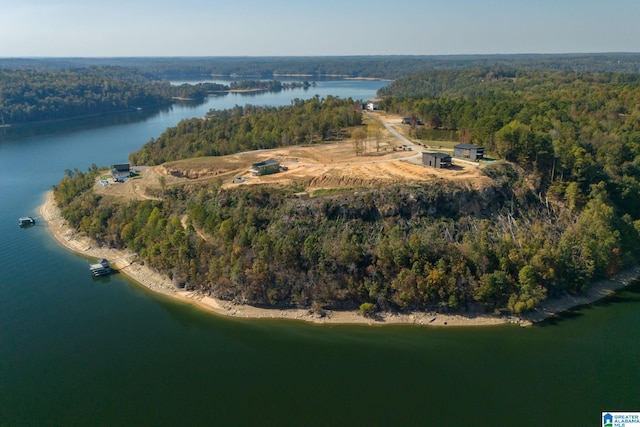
436	160
121	172
468	151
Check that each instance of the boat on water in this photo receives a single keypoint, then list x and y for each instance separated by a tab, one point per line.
101	268
26	221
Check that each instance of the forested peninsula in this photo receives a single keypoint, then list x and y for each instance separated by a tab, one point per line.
28	96
31	96
560	211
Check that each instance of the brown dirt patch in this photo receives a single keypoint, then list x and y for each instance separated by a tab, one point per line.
322	166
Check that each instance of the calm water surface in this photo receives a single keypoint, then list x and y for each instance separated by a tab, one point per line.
80	351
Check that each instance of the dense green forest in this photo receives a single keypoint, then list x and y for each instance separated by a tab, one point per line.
32	96
570	131
563	209
433	246
250	128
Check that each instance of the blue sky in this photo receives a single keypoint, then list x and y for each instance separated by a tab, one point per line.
330	27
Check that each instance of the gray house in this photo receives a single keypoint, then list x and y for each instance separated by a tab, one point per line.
265	168
121	172
468	151
436	160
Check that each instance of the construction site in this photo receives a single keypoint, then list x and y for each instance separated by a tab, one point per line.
381	157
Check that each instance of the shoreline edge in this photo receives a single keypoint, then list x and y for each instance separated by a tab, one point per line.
148	278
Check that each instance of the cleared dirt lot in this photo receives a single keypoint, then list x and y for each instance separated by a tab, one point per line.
320	166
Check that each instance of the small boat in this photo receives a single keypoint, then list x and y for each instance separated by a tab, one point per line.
100	268
26	221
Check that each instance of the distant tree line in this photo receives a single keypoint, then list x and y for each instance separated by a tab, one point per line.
382	66
269	85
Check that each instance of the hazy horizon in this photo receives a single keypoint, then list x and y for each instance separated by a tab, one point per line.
136	28
325	56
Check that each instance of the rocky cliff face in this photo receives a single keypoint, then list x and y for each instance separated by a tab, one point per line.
436	200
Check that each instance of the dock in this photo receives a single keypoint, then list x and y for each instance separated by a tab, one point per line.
100	268
26	221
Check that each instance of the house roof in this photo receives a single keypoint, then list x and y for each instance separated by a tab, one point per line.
269	162
124	167
467	146
438	155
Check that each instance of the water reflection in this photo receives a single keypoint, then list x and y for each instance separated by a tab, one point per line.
628	295
18	132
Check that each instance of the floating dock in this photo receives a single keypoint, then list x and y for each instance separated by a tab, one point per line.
100	268
26	221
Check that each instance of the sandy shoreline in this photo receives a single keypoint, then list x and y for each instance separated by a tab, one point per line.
597	291
126	262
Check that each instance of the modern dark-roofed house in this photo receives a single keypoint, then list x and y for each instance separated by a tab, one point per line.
468	151
436	160
265	168
408	120
121	173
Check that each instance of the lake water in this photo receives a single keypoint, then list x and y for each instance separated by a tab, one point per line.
79	351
